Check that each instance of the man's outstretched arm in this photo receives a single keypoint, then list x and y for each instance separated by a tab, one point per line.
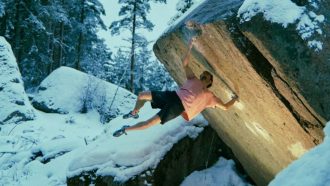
226	106
185	62
145	124
139	126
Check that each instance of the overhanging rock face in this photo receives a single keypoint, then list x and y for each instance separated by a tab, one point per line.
277	119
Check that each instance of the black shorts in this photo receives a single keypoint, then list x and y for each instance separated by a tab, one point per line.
169	103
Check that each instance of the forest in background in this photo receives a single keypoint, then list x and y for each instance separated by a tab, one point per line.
47	34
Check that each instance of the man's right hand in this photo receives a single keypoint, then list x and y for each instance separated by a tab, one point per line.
121	131
191	42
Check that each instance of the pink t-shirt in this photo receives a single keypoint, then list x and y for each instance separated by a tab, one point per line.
195	98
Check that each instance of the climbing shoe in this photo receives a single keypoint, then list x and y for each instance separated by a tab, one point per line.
131	115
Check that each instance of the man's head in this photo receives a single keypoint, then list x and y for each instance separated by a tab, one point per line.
207	78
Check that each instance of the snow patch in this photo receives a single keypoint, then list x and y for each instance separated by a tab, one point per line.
283	12
257	130
297	149
223	173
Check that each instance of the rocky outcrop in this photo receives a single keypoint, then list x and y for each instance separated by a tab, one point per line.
14	103
281	82
185	157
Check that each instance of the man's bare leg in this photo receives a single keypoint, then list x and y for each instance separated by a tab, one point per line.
145	124
142	98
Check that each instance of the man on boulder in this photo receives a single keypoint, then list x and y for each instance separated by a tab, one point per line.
191	99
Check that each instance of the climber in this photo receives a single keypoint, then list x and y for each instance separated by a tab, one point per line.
191	99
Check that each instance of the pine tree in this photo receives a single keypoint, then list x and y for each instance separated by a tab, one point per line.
134	17
117	72
153	76
143	57
86	20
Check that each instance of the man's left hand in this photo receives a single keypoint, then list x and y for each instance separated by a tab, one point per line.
235	97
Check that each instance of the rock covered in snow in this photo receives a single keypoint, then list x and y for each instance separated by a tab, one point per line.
68	90
14	102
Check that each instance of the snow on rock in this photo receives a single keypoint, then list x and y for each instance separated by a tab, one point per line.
14	102
222	173
67	90
285	12
130	155
311	169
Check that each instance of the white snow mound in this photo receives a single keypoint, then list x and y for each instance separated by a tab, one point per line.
223	173
67	90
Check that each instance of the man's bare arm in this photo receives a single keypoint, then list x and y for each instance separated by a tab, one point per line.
140	126
226	106
185	62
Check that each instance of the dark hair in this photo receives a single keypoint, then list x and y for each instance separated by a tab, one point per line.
211	78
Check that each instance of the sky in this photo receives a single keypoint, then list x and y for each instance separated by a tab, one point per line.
159	15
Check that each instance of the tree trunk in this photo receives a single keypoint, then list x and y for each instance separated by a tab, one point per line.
60	63
133	48
61	44
51	48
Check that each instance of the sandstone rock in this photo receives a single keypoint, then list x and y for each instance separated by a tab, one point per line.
14	103
279	116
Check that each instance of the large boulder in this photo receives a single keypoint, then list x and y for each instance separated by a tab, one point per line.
14	103
281	79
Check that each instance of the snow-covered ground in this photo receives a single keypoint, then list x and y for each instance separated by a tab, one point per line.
37	152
